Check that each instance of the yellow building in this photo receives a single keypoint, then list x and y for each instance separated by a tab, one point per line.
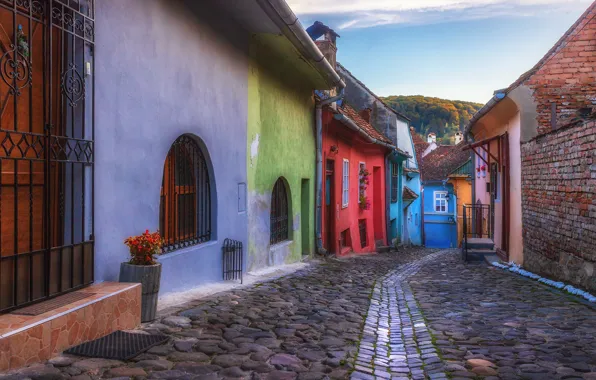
461	179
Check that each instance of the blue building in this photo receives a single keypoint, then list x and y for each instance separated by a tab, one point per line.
440	196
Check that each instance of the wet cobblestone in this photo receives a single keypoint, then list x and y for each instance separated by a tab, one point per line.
492	324
396	343
303	326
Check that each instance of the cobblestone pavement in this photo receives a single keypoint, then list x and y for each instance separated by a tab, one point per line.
303	326
396	343
492	324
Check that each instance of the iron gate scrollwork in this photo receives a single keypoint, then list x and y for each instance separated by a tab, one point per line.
46	149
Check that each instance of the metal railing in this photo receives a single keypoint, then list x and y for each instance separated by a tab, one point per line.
477	223
232	260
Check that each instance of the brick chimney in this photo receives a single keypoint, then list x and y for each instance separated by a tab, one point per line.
365	114
325	38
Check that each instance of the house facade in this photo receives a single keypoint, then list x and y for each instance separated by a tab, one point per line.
354	156
404	216
447	187
281	146
543	124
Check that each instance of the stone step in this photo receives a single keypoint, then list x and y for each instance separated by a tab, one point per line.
479	254
476	243
383	249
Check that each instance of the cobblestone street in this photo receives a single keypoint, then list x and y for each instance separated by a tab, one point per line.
414	314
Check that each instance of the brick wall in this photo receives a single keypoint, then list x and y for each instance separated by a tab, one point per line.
559	204
567	76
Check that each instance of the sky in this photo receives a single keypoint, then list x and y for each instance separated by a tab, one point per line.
452	49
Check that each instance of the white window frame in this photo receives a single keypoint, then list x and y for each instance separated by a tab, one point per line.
345	183
441	196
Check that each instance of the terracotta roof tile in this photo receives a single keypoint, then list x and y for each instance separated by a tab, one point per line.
440	162
409	194
351	113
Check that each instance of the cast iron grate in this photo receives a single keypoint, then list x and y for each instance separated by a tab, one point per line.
118	345
52	304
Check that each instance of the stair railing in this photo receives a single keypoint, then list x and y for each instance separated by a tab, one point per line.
477	223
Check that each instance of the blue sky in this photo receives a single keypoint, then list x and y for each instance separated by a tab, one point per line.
453	49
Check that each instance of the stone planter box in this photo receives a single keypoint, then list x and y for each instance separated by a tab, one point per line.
149	276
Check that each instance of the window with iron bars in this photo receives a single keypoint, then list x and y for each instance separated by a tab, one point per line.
394	183
279	213
185	209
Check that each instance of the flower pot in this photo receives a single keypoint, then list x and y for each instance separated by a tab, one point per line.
149	276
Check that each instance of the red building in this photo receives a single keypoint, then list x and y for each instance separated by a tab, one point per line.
354	204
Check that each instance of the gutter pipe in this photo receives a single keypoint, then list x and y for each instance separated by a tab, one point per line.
282	15
500	95
319	170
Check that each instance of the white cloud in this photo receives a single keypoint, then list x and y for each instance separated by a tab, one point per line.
369	13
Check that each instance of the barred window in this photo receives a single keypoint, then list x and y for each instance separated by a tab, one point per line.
185	206
394	182
279	213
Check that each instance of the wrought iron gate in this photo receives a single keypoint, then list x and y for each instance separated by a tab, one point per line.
46	149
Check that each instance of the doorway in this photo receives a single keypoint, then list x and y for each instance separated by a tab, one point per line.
46	149
329	206
378	203
305	216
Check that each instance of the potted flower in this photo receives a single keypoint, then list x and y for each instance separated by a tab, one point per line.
143	268
362	198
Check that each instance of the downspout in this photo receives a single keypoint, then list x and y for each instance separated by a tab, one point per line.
319	169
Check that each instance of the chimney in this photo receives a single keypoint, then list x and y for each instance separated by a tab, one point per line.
459	137
431	138
365	114
325	38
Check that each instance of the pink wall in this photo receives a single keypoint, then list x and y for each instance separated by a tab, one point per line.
493	127
352	148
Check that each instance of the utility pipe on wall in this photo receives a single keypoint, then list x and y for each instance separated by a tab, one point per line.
319	170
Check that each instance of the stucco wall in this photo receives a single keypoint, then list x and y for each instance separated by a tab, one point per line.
163	70
281	143
512	126
439	227
386	121
462	188
347	218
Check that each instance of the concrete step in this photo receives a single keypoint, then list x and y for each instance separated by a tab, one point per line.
383	248
480	254
477	243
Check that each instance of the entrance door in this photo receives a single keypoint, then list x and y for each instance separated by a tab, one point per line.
378	203
330	206
46	149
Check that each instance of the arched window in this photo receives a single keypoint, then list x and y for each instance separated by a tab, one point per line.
185	207
279	212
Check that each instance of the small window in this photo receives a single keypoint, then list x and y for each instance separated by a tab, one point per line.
279	213
345	194
441	201
394	182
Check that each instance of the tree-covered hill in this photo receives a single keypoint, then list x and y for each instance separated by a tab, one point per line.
444	117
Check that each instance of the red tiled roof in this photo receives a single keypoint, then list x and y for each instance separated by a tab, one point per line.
409	194
351	113
445	159
419	145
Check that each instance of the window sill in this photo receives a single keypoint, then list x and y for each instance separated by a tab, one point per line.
281	244
185	251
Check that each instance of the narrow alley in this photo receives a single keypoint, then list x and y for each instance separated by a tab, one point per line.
414	314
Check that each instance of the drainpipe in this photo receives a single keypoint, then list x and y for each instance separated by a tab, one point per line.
319	171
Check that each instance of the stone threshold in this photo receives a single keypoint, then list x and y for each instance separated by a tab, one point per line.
26	339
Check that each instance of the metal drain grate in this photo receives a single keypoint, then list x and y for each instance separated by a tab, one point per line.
53	304
118	345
